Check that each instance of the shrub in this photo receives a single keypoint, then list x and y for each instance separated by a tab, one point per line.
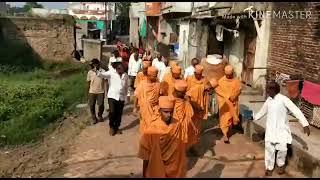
30	101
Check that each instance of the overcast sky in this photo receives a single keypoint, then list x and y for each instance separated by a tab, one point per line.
48	5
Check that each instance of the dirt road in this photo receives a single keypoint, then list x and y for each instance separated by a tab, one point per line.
93	153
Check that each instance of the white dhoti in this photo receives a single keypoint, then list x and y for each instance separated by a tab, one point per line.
213	105
270	153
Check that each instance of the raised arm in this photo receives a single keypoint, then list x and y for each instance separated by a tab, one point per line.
295	111
104	74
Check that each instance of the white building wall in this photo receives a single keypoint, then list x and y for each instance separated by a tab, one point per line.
261	54
177	7
86	6
234	50
183	41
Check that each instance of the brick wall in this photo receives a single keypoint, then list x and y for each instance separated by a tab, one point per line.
294	44
50	38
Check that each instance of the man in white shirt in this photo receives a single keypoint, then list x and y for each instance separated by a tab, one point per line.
278	133
157	59
118	89
133	69
115	58
190	70
163	67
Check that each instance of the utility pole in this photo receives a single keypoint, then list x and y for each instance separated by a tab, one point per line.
106	21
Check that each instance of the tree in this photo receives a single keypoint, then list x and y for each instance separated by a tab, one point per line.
123	8
29	5
13	10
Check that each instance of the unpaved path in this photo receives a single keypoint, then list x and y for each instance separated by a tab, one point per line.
93	153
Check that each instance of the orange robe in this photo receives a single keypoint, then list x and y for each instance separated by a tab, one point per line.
199	100
228	111
183	113
163	146
140	77
167	85
148	97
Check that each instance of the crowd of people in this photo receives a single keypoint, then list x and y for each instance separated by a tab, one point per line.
172	106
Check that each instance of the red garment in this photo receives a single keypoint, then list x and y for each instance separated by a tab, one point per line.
311	92
125	59
293	88
141	51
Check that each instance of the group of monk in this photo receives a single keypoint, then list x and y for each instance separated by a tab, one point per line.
173	110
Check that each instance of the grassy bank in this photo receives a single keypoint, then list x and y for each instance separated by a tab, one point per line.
30	101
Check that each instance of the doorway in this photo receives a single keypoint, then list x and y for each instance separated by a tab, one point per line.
249	55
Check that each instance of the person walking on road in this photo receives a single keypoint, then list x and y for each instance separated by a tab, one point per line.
142	75
228	92
134	68
118	89
147	94
163	144
199	98
278	133
96	89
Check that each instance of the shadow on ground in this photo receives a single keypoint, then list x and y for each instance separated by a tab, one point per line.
209	135
131	125
215	172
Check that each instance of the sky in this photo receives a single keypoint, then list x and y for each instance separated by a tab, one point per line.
48	5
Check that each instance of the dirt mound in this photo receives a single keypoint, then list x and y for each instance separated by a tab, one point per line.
45	157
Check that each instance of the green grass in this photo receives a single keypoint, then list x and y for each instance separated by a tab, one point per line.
30	101
34	94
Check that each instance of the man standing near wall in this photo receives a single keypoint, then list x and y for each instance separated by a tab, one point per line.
96	89
278	133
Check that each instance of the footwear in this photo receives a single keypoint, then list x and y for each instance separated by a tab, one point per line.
119	131
111	132
268	173
226	140
194	151
281	170
95	120
100	119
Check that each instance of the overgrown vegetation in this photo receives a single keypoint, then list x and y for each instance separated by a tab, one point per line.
33	95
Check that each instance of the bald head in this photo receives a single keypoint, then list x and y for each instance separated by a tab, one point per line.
228	71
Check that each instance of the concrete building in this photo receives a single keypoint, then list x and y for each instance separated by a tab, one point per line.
225	28
173	29
97	16
91	10
153	13
294	49
137	14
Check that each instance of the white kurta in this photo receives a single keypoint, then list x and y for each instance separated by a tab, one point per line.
189	72
277	125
